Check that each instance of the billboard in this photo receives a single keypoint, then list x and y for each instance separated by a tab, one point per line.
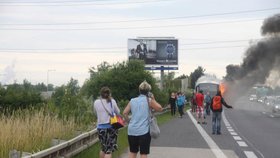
154	51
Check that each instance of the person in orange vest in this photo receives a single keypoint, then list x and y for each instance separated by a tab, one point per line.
217	108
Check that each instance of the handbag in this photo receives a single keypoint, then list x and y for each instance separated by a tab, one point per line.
154	129
115	120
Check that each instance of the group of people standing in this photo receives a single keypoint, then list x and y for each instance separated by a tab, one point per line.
139	138
140	107
177	100
201	105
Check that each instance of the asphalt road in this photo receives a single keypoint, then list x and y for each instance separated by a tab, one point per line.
248	131
258	127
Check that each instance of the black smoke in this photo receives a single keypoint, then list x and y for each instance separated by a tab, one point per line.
271	25
260	59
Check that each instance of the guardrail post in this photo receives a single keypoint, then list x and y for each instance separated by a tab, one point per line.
14	154
57	141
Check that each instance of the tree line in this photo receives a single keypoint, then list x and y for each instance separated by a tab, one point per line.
72	100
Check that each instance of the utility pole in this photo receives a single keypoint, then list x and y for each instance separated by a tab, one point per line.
48	79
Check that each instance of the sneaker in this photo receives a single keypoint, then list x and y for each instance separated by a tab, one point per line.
213	133
198	122
218	133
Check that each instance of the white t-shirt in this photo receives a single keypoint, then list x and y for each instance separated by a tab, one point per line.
102	116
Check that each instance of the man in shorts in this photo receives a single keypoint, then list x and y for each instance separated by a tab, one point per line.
199	97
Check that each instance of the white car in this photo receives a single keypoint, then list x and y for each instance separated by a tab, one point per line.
276	106
253	97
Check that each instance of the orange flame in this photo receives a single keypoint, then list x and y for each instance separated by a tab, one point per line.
222	88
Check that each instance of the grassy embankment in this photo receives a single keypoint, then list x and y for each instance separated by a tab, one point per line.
122	140
31	131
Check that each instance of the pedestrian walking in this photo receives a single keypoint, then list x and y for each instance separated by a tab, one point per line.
217	108
208	100
193	103
106	133
172	103
199	98
139	138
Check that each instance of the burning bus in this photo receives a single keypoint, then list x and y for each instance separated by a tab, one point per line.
209	83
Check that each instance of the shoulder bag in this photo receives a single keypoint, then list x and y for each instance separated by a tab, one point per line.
115	120
154	129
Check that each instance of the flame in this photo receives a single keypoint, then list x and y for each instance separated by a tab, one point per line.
222	88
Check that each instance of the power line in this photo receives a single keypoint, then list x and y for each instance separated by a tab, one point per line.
80	1
98	51
213	42
213	47
126	28
114	48
57	4
151	19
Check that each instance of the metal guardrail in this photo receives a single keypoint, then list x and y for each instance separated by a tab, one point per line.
74	146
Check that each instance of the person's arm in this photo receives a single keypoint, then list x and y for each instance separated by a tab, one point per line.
116	108
155	105
126	112
225	104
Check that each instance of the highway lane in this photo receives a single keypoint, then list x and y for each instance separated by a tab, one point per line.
253	122
252	130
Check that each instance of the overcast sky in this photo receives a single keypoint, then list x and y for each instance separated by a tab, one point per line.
70	36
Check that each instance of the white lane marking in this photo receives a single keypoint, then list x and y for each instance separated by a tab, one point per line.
233	133
264	112
250	154
230	130
229	127
213	146
237	138
241	143
272	116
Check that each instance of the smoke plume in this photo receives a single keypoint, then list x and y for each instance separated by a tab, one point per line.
8	73
271	25
261	59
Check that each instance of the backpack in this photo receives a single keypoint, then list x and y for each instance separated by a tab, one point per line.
217	102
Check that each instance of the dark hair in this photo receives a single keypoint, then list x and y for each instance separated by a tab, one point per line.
105	93
219	93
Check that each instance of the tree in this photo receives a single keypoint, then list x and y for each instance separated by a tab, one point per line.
198	72
19	96
122	78
69	102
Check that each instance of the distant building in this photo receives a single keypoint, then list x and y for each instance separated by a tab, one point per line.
46	95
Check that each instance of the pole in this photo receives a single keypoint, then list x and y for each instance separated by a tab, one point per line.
161	77
48	79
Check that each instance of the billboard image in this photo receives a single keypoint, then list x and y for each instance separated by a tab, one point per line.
154	51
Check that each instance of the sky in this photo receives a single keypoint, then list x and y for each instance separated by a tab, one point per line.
55	40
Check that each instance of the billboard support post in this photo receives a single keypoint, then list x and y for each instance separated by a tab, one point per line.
161	78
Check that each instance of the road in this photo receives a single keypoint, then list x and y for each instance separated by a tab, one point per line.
257	126
248	131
